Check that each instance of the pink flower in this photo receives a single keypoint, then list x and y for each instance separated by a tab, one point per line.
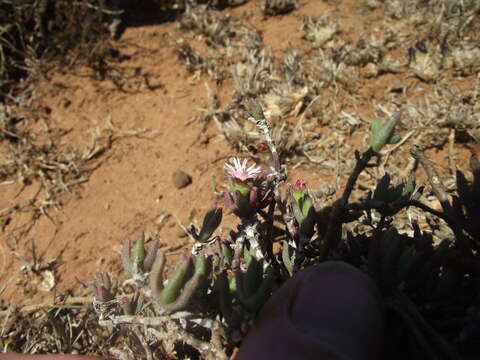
299	185
240	172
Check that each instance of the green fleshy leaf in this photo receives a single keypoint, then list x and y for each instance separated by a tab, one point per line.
138	253
253	277
243	188
287	260
297	212
232	284
227	256
170	293
306	205
211	221
376	126
395	138
382	135
382	189
298	195
200	265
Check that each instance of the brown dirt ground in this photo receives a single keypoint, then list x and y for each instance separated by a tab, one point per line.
132	187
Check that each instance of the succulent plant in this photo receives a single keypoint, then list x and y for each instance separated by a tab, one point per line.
389	200
179	289
211	221
287	258
382	134
132	305
138	260
253	287
104	288
302	208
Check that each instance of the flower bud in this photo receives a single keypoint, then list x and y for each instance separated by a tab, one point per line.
211	221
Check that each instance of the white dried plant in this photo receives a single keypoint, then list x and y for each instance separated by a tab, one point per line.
254	76
426	61
292	68
330	70
284	101
213	25
399	9
320	30
391	64
466	59
194	62
367	50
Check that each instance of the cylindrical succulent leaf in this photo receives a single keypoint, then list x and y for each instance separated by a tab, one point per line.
405	262
156	275
131	305
297	212
253	196
151	255
104	287
227	255
307	204
200	265
381	135
287	260
126	261
243	189
392	244
225	298
256	300
307	226
376	126
229	201
171	290
138	253
253	277
395	138
211	221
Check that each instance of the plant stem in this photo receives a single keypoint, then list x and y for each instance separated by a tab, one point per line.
440	192
336	216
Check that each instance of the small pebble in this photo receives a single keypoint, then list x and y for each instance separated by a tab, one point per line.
181	179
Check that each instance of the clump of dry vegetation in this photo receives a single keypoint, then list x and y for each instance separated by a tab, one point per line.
434	42
69	325
36	32
321	29
279	7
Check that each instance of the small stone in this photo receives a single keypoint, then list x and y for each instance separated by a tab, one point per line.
181	179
